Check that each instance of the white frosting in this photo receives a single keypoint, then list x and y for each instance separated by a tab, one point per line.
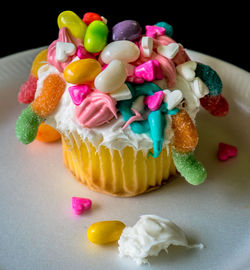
149	236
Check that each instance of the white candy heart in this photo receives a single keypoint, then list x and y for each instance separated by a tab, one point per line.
199	88
173	98
147	46
187	70
64	50
138	104
122	93
168	51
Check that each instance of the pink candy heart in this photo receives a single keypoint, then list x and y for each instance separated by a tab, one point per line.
149	71
154	102
78	93
79	205
154	31
226	151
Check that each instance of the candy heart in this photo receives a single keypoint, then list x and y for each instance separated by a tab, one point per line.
199	88
226	151
168	51
147	46
79	205
172	98
149	71
187	70
154	31
122	93
78	93
63	50
154	102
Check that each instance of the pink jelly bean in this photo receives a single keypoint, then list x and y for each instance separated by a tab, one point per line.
226	151
149	71
79	205
82	53
154	102
154	31
78	93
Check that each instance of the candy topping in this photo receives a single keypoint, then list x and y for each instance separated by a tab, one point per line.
226	151
80	205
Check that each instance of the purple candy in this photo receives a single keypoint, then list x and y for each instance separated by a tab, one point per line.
126	30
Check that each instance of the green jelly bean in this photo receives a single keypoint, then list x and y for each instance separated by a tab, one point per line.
210	78
168	28
27	125
191	169
96	36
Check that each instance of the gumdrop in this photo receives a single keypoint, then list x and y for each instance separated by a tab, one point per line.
27	90
215	105
47	133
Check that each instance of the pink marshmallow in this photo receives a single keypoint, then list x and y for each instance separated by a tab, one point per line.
149	71
78	93
79	205
154	102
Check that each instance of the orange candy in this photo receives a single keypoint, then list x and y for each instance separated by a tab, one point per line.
51	93
185	133
39	61
47	133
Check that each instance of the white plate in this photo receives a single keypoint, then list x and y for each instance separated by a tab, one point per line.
39	231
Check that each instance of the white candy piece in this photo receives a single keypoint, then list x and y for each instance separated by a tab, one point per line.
122	93
147	46
138	104
173	98
111	78
168	51
199	88
187	70
123	50
64	50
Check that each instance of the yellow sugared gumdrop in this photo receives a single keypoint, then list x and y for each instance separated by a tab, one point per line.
40	60
82	71
73	23
105	232
47	133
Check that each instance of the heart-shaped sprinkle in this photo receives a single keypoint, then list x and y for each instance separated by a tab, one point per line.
168	51
79	205
199	88
78	93
187	70
64	50
154	31
149	71
154	102
226	151
172	98
147	46
122	93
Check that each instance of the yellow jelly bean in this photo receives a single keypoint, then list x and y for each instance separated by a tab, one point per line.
105	232
39	61
74	24
82	71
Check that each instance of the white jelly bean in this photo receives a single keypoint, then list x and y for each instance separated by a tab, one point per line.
123	50
112	77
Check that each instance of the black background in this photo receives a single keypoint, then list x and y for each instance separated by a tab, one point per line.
214	29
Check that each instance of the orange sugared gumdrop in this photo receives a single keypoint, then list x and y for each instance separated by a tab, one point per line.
39	61
47	133
51	93
185	133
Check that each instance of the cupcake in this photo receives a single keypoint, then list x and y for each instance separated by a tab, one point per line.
124	100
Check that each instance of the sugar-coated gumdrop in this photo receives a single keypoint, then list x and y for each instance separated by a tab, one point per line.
185	136
226	151
40	60
73	23
105	232
51	92
215	105
47	133
168	28
89	17
27	125
27	90
191	169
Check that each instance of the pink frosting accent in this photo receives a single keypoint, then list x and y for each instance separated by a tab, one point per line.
149	71
136	117
63	36
154	102
154	31
78	93
79	205
96	109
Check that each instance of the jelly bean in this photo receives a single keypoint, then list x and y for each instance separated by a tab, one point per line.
215	105
79	205
226	151
89	17
154	31
74	24
149	71
27	125
168	28
105	232
96	36
78	93
126	30
154	102
185	136
123	50
191	169
27	90
82	71
52	90
210	78
40	60
47	133
187	70
112	77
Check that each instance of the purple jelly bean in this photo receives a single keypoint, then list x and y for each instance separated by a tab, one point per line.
126	30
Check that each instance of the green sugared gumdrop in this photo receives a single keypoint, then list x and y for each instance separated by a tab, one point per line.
191	169
168	28
27	126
